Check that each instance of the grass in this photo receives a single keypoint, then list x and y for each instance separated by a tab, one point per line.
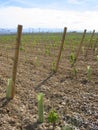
71	38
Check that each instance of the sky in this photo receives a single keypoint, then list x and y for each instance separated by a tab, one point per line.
73	14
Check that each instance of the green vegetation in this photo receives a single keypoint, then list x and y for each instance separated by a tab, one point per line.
53	65
47	51
72	38
53	118
72	58
50	44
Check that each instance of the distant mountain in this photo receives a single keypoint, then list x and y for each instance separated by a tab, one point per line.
29	30
33	30
7	31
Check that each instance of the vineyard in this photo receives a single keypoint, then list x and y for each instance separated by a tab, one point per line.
71	89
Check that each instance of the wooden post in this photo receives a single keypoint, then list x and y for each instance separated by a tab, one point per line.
77	54
89	43
61	48
18	39
94	46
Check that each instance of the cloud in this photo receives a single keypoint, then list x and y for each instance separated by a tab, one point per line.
10	17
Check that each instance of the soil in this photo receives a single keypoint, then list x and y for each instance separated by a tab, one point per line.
74	97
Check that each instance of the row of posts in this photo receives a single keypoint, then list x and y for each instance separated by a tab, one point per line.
18	40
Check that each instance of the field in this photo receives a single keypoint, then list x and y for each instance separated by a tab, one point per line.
71	91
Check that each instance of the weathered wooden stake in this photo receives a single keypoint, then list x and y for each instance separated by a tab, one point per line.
78	52
90	43
94	46
61	48
18	39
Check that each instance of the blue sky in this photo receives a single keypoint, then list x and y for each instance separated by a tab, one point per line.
75	14
36	3
53	4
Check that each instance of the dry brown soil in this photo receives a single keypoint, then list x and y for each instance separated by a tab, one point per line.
75	99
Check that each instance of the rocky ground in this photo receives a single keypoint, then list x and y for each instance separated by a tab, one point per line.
74	98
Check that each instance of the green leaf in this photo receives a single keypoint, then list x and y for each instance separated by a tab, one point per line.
52	117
